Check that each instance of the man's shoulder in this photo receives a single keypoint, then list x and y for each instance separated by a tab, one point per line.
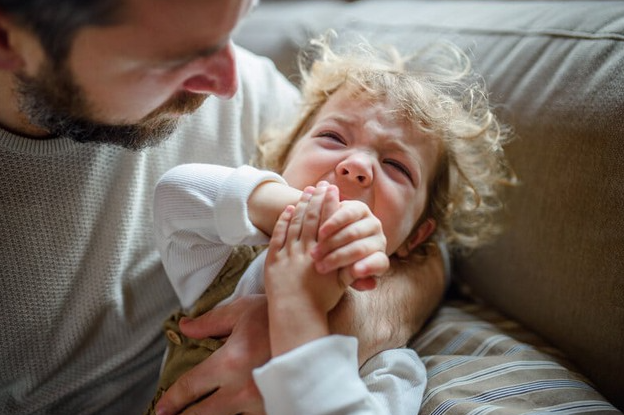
250	62
259	76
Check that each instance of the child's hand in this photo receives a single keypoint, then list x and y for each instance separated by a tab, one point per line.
290	273
299	297
350	239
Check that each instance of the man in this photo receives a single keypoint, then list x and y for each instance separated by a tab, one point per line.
82	288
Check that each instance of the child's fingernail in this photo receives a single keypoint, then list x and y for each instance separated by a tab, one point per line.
161	411
307	193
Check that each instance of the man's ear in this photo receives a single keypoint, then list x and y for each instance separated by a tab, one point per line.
10	58
417	237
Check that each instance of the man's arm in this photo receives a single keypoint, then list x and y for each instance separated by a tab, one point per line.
245	322
223	384
387	317
228	371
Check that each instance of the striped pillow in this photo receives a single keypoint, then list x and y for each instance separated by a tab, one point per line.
479	363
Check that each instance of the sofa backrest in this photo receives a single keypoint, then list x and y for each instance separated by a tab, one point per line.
555	70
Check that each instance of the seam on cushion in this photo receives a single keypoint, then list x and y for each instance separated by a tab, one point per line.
559	33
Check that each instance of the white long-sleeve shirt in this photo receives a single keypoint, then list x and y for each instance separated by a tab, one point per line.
200	213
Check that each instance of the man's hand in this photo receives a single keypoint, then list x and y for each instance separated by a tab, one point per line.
226	374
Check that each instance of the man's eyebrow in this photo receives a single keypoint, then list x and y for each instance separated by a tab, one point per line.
211	50
196	54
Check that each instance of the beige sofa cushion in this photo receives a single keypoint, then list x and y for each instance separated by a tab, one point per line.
481	362
556	71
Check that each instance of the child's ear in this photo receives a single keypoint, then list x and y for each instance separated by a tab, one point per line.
417	237
10	59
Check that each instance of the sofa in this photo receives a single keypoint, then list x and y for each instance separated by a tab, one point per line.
534	322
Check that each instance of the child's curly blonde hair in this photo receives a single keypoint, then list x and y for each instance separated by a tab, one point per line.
436	90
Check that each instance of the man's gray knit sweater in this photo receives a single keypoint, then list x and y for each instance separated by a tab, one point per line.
82	288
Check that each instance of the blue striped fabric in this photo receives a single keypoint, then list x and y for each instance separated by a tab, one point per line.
480	363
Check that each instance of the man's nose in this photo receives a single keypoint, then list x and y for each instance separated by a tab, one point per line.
214	74
357	168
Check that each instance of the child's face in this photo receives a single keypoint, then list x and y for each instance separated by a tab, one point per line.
372	156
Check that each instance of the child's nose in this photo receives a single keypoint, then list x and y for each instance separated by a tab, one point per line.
357	169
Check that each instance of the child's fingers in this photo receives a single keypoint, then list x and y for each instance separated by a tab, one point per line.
344	278
294	229
345	241
364	284
331	204
352	253
349	212
377	263
347	278
278	238
312	216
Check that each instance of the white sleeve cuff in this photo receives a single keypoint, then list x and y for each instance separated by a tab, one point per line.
232	219
320	377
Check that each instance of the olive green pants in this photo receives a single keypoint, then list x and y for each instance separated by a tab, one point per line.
184	353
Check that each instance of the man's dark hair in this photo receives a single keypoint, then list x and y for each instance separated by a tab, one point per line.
56	22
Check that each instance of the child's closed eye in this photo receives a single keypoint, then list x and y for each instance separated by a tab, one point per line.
334	136
400	167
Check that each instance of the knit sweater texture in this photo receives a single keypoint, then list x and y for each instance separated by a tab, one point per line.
82	287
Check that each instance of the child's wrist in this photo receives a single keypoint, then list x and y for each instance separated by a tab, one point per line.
268	201
294	322
288	304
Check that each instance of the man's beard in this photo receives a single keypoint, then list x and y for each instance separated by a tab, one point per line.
52	101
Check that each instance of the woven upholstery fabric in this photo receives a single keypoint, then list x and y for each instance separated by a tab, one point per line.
554	71
481	362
